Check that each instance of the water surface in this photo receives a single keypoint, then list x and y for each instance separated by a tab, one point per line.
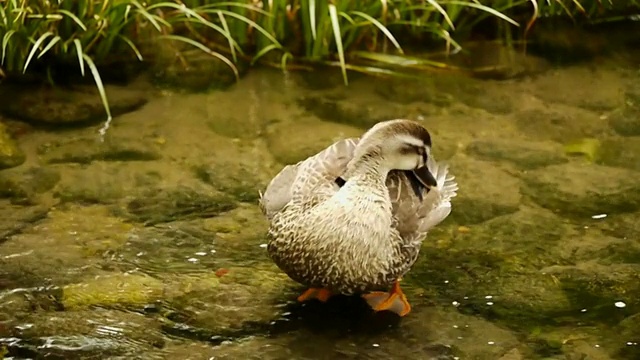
150	245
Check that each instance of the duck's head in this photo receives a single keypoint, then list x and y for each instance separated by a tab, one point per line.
399	145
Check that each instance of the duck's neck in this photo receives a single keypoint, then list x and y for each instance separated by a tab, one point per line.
368	169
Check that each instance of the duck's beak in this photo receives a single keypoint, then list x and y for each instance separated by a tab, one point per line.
420	179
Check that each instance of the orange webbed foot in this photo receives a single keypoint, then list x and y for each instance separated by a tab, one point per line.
321	294
394	301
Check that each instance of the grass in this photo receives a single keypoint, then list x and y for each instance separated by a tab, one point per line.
91	34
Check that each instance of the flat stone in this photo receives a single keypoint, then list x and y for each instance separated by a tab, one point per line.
581	190
15	219
524	155
86	150
67	106
10	153
626	121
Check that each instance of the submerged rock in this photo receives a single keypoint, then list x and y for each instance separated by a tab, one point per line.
560	123
599	90
109	290
196	71
10	153
620	152
582	190
87	150
23	186
16	219
181	203
406	91
67	106
288	149
525	156
359	111
486	191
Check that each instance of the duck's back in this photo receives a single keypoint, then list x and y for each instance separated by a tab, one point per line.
313	180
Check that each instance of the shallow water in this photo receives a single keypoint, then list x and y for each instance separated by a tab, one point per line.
150	245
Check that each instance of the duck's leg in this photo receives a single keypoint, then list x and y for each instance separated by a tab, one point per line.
394	301
321	294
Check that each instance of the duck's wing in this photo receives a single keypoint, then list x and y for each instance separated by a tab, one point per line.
414	216
315	175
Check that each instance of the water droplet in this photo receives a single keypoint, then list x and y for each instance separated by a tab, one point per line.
193	260
599	216
446	281
466	298
376	345
583	310
629	343
488	297
140	253
490	342
620	304
597	345
212	251
455	303
263	245
201	253
459	337
489	303
455	326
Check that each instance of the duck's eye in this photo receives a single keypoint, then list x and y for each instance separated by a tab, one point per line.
412	150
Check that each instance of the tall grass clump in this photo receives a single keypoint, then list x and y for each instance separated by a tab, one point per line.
91	34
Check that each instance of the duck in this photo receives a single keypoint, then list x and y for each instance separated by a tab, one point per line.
351	219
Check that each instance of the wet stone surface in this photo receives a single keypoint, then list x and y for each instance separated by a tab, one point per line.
150	245
10	153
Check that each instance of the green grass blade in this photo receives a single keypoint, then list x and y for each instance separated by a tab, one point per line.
79	51
132	46
152	18
333	14
485	8
103	93
49	45
74	18
35	48
253	24
263	52
442	11
312	18
225	26
283	61
5	42
205	49
382	28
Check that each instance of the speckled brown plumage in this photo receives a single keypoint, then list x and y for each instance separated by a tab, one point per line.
364	235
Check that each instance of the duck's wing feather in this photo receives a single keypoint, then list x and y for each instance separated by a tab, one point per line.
316	175
308	176
414	216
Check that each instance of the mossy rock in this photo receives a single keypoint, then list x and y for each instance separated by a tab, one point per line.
113	290
525	156
79	105
166	205
580	190
10	153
